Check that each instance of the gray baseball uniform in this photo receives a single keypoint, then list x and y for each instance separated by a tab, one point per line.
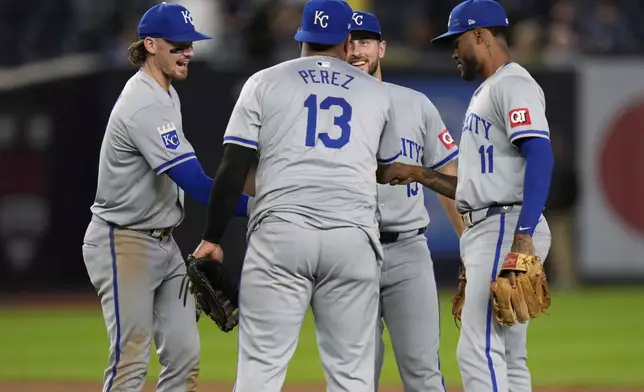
318	124
507	106
130	255
408	295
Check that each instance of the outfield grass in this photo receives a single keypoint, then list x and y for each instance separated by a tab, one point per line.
592	337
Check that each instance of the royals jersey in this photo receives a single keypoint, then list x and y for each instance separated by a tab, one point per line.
143	139
318	124
424	141
508	106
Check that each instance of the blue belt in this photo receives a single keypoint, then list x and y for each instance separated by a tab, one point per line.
387	237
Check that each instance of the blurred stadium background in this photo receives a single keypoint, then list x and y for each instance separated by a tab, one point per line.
64	64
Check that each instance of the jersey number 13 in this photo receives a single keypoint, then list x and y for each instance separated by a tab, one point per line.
341	121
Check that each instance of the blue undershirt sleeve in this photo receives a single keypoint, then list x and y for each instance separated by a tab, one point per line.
538	174
190	177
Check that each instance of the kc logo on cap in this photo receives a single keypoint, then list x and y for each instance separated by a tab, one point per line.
172	22
357	19
326	22
187	17
321	19
366	21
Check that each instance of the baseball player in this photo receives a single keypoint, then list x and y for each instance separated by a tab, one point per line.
408	295
320	127
503	182
145	165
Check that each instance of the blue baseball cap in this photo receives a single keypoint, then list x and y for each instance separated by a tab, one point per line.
326	22
471	14
366	21
172	22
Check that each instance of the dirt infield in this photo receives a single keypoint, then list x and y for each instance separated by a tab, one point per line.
209	387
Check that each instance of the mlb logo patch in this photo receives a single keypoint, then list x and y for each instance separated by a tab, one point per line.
519	117
169	136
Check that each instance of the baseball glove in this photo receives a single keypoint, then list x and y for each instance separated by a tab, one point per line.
530	294
459	298
215	293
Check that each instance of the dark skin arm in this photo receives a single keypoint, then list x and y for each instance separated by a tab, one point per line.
522	243
449	205
249	184
383	173
401	174
231	176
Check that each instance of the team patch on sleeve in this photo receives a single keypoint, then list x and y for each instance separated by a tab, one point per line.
169	136
446	139
519	117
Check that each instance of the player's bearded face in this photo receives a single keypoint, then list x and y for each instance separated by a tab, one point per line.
174	58
365	54
465	57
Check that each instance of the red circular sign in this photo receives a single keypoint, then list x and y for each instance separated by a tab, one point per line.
621	166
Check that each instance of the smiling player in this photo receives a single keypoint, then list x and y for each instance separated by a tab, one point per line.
408	295
145	165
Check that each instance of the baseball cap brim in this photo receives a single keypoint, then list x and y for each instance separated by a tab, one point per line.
443	37
188	36
367	32
323	39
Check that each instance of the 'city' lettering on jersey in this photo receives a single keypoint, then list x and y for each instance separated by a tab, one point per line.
411	149
325	77
477	125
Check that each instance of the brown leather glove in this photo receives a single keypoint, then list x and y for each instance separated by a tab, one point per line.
521	290
459	299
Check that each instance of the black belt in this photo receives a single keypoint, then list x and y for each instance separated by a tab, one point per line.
472	218
387	237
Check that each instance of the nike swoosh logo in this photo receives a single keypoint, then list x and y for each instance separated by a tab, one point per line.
523	228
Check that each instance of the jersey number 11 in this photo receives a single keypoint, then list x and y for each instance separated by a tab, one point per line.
341	121
487	163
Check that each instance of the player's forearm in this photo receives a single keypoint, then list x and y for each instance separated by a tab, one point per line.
440	183
249	184
231	175
190	177
536	185
381	173
449	205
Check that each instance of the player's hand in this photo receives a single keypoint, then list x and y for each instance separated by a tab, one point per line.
397	174
209	250
522	243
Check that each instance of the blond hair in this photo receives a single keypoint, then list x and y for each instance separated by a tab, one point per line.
136	53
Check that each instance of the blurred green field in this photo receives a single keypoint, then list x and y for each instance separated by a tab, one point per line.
592	337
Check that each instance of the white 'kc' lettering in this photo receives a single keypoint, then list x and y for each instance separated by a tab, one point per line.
357	18
321	18
187	17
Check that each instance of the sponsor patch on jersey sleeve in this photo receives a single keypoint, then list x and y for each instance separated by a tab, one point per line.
519	117
169	136
447	139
